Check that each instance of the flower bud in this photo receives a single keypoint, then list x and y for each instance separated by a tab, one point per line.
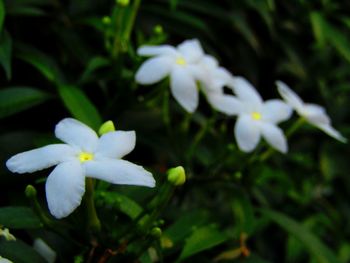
156	232
158	29
30	191
122	2
177	175
106	20
106	127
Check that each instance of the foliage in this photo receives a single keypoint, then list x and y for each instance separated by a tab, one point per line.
78	58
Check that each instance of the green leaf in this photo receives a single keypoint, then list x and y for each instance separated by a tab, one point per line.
6	52
42	62
120	202
319	250
80	105
201	239
16	99
19	252
94	64
2	14
18	217
317	23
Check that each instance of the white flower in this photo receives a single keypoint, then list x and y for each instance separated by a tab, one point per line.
44	250
257	118
6	234
83	155
180	63
4	260
313	113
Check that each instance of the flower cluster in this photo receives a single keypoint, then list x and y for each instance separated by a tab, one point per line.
190	69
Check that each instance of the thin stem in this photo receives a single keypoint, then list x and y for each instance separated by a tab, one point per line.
93	222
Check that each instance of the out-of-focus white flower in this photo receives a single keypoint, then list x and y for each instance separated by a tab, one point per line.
84	154
313	113
5	232
44	250
180	63
4	260
257	118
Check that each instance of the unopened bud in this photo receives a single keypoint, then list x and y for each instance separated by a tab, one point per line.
123	2
177	175
106	127
158	29
156	232
30	191
106	20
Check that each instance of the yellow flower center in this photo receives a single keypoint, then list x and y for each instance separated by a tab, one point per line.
181	61
256	116
84	156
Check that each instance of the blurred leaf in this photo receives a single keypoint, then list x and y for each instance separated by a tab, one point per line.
80	105
202	239
229	254
26	7
42	62
243	214
6	52
19	252
18	217
185	225
317	23
119	201
16	99
93	65
319	251
2	14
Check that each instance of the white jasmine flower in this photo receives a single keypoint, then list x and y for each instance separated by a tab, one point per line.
44	250
313	113
82	155
180	63
257	118
4	260
216	78
7	235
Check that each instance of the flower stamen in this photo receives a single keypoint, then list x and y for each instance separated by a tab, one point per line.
85	156
256	116
180	61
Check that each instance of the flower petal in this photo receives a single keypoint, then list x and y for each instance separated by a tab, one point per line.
119	172
191	50
245	91
77	134
290	96
153	70
247	133
166	50
328	129
274	136
316	114
184	89
116	144
227	104
40	158
65	188
275	111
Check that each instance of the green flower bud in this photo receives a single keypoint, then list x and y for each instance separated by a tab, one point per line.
156	232
30	191
106	127
106	20
158	29
177	175
122	2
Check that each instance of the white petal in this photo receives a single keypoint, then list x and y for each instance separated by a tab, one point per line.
184	89
191	50
77	134
65	188
245	91
327	128
315	114
166	50
274	136
116	144
209	62
290	96
275	111
41	158
119	172
247	133
227	104
154	70
44	250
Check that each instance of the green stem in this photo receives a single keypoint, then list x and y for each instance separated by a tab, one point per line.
131	20
267	154
93	222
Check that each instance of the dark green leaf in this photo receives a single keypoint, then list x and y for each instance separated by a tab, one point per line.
203	238
94	64
19	252
319	250
16	99
18	217
6	52
80	105
2	14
